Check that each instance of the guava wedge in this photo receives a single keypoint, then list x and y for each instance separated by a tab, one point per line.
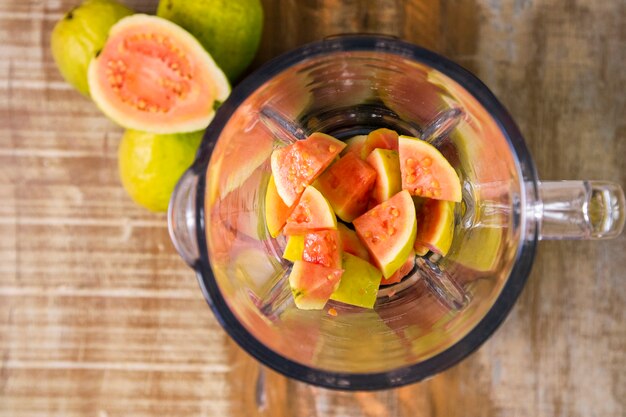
406	267
388	232
435	226
312	213
380	138
350	242
153	76
297	165
354	145
294	248
80	34
426	172
347	185
388	181
323	248
276	212
312	284
359	282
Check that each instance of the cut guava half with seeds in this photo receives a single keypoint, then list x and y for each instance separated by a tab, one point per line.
153	76
296	166
388	232
312	213
426	172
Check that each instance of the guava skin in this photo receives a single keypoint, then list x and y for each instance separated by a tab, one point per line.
80	34
230	30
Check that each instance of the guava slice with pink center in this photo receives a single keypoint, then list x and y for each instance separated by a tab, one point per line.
381	139
426	172
354	145
312	284
347	185
312	213
388	232
296	166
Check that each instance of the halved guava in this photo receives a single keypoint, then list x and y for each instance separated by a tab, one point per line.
347	185
297	165
404	269
154	76
276	212
354	145
312	213
435	226
359	282
388	181
380	138
388	232
426	172
322	247
80	34
350	242
312	284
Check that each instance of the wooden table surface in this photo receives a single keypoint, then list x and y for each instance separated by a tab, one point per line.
100	317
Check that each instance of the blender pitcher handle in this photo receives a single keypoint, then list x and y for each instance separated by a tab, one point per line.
577	210
181	217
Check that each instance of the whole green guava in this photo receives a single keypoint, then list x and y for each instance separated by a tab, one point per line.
80	34
230	30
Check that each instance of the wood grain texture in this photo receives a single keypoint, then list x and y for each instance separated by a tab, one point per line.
100	317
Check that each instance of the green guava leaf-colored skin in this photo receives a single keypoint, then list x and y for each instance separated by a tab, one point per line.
230	30
359	282
150	165
80	34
